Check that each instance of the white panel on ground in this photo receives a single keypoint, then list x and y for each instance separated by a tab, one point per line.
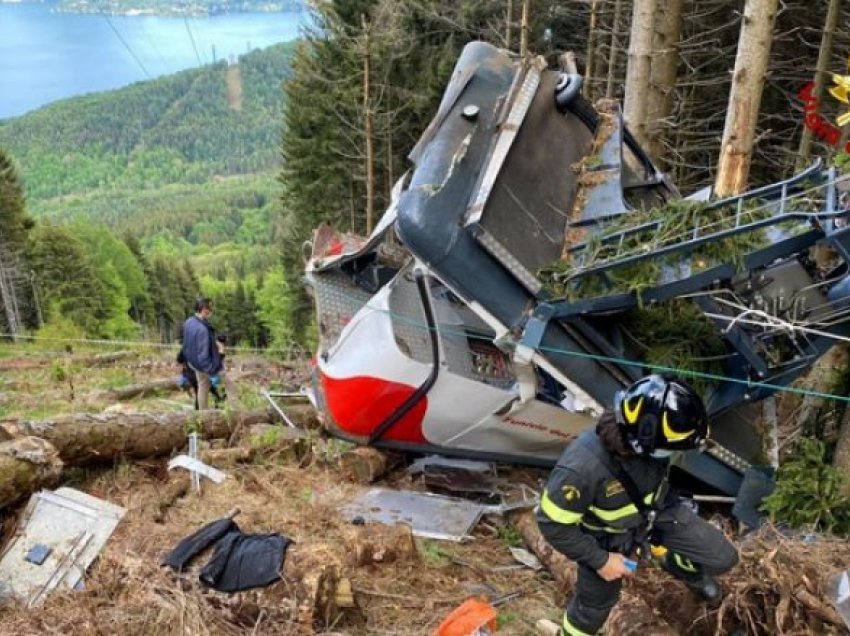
59	534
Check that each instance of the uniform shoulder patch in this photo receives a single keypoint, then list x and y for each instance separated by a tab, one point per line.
571	493
613	487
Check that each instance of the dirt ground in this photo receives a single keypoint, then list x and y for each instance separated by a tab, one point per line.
298	494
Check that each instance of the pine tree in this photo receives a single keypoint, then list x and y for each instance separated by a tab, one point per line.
15	295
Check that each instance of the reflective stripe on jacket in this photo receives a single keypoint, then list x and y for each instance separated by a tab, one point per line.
582	499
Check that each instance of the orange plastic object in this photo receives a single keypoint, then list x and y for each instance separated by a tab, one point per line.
467	618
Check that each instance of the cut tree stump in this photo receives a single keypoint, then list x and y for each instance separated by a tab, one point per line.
313	570
377	543
84	438
365	464
26	464
632	616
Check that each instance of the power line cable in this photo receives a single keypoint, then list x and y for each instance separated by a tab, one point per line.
681	371
127	46
192	40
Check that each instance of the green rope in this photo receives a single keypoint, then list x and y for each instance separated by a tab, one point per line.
615	360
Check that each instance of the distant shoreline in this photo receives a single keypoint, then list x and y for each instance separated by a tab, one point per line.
198	8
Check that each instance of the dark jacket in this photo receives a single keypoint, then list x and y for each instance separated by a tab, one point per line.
584	507
199	346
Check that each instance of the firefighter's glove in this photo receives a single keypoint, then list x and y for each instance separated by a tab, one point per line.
215	381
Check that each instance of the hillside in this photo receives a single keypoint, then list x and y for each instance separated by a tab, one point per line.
182	169
185	128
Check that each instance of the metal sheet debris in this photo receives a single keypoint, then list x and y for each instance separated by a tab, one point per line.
526	558
197	467
457	475
72	526
429	516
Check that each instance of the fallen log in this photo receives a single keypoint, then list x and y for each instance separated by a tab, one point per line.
135	390
86	438
176	488
26	464
35	362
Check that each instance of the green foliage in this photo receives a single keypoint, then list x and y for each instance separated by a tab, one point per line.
505	618
842	161
273	304
57	332
188	128
808	492
510	536
433	554
269	438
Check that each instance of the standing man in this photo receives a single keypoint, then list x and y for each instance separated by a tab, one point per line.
608	498
201	350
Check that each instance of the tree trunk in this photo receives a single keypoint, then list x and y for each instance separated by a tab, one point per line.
8	292
509	23
824	53
368	126
841	458
26	464
635	106
137	390
612	49
590	56
84	439
561	568
751	61
665	64
524	26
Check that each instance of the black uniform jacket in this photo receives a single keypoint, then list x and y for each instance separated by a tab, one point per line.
583	503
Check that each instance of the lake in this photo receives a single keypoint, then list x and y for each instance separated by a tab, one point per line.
46	55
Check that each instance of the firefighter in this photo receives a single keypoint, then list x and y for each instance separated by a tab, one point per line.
588	510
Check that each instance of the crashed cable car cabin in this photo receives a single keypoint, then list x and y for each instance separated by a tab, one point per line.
487	315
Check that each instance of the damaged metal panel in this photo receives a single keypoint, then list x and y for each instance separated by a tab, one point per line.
71	527
429	516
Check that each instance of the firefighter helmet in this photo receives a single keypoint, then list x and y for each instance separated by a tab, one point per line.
661	413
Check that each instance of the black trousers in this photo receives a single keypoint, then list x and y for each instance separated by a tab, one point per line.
678	529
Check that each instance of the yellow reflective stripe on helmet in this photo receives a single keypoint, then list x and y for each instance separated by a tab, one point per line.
620	513
670	434
556	513
632	414
572	630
